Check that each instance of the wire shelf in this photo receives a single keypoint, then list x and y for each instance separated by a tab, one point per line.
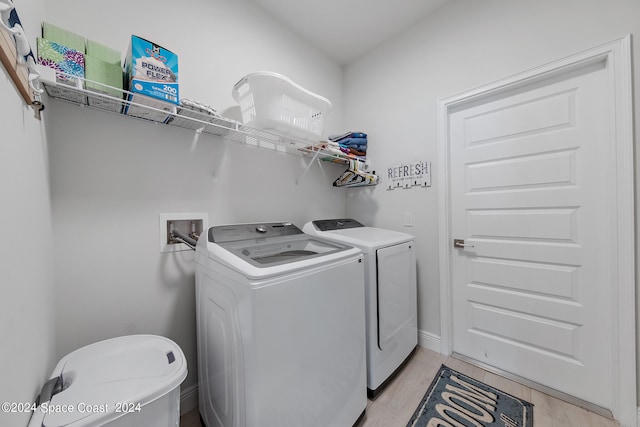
73	90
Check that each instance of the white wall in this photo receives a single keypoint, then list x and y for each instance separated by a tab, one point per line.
112	176
26	258
392	93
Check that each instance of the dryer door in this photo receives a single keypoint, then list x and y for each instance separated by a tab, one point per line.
397	299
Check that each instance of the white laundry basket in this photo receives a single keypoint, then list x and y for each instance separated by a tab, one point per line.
128	381
271	101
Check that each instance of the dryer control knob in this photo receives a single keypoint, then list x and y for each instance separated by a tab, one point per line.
261	229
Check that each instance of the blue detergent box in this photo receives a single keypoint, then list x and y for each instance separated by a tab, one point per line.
151	74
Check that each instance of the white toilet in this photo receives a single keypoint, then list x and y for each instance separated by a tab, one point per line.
126	381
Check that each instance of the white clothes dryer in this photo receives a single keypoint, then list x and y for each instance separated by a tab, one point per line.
390	293
280	328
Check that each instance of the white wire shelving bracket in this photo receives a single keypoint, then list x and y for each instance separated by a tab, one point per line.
185	118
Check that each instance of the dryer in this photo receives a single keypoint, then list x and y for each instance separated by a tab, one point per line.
390	293
280	328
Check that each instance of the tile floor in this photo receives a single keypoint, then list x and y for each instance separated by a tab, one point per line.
395	405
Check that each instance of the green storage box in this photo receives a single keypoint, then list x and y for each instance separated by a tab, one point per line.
63	37
99	73
104	53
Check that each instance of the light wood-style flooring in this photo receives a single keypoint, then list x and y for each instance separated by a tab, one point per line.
395	405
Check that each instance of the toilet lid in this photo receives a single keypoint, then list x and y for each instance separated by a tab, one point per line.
110	378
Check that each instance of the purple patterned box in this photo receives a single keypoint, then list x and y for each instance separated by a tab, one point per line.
68	64
62	59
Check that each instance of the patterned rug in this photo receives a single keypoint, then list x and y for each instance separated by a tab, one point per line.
454	399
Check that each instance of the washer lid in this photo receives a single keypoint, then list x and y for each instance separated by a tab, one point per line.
367	239
263	258
132	370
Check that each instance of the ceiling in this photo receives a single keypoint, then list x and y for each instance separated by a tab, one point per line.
346	29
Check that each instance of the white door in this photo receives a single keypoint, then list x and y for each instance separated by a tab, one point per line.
531	185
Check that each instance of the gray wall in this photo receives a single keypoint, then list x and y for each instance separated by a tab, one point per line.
393	92
111	176
26	258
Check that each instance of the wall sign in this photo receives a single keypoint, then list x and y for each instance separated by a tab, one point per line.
409	175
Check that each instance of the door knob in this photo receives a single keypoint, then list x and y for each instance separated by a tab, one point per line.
459	244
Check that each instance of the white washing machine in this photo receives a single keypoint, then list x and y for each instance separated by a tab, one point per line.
280	327
390	292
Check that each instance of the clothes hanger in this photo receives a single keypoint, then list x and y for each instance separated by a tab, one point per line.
353	176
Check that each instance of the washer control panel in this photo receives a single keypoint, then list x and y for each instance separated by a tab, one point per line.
336	224
237	232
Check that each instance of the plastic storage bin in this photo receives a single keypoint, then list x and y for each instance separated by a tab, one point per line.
128	381
271	101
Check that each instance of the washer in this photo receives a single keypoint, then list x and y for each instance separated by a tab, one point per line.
390	292
280	327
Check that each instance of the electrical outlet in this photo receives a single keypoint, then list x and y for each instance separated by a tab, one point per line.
408	219
186	223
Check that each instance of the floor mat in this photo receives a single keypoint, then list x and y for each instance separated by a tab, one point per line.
454	399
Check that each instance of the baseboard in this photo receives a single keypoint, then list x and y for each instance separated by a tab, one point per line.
188	399
429	341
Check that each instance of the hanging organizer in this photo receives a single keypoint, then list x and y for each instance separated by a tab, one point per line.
17	57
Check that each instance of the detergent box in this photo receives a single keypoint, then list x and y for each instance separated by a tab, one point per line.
151	75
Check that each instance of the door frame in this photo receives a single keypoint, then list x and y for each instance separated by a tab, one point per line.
616	55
